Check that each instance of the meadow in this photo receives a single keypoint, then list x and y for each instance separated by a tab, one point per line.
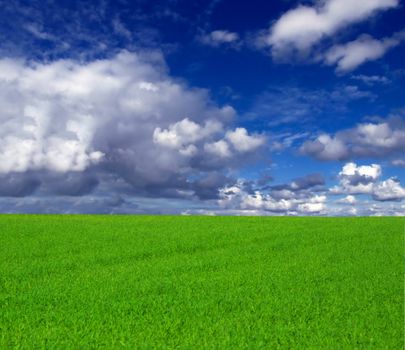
172	282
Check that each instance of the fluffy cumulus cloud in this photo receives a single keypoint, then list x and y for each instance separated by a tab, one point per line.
31	138
381	139
185	135
389	190
242	141
357	179
299	29
349	56
116	124
365	179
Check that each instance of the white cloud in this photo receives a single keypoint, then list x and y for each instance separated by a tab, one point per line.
243	142
369	172
380	139
389	190
311	207
144	85
349	56
291	203
220	37
303	27
357	179
184	133
364	179
32	146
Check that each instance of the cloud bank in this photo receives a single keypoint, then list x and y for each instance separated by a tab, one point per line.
113	122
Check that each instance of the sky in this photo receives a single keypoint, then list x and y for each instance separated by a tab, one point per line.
208	107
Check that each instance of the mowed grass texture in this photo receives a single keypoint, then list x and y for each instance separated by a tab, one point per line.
161	282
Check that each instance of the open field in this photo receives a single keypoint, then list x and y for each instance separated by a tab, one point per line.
148	282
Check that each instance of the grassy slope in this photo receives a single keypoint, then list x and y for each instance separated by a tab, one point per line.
200	282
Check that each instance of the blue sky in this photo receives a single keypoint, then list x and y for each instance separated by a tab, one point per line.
203	107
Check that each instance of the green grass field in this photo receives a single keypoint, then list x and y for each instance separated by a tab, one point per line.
162	282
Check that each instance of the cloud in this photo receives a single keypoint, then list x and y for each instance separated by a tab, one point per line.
21	184
69	184
389	190
235	198
398	162
303	196
348	200
307	181
220	37
371	79
325	148
351	55
379	139
120	28
118	124
382	209
316	206
299	29
357	179
109	204
38	33
364	179
299	184
219	148
183	134
18	185
186	136
242	141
